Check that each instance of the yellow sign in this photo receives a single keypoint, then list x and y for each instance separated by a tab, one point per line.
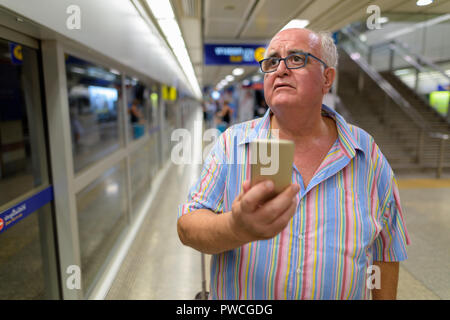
169	93
259	53
18	53
173	94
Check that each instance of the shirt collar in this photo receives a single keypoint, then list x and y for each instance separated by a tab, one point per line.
345	134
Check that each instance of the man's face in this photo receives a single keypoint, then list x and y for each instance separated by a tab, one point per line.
289	88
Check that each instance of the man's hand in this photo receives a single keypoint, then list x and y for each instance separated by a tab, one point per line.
389	281
257	216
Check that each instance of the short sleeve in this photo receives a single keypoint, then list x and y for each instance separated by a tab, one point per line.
391	242
208	191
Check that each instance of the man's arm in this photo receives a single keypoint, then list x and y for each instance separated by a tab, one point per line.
389	281
253	217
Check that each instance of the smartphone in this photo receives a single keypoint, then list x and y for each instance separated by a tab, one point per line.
271	159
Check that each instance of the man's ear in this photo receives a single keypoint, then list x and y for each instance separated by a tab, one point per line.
329	76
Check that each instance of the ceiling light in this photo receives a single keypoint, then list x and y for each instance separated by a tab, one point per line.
229	78
215	95
163	12
422	3
296	23
161	9
169	27
238	71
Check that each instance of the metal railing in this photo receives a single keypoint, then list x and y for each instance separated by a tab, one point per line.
356	49
400	51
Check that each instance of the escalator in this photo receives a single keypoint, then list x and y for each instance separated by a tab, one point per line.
412	135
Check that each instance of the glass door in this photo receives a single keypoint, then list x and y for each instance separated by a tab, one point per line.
28	263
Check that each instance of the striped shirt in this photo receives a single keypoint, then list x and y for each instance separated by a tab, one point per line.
348	216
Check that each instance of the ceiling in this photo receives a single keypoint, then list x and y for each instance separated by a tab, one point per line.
256	21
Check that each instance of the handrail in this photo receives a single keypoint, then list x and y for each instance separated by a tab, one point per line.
420	57
396	45
389	90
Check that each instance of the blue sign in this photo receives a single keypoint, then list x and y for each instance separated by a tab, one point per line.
10	217
226	54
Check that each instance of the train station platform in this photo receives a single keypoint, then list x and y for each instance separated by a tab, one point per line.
95	96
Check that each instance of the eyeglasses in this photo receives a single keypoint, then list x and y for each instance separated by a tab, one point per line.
292	61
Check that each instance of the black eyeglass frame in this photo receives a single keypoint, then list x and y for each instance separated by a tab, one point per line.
305	54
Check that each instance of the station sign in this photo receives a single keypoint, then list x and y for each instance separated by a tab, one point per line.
20	211
230	54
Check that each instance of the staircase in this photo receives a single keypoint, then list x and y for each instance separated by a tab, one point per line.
436	121
398	133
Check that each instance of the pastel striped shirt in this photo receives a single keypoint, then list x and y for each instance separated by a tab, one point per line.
348	216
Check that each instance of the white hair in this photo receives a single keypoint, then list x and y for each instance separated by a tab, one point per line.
328	48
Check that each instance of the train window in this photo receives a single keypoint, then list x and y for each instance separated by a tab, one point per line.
102	207
138	101
23	162
140	161
94	100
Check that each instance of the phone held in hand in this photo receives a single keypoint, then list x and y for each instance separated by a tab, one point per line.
271	159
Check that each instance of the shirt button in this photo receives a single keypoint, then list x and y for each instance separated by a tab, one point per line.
298	271
300	237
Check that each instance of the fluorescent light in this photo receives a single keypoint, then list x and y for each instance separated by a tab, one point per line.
229	78
422	3
238	71
296	23
169	27
161	9
176	42
163	12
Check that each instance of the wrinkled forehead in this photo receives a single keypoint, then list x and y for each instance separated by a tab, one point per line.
294	39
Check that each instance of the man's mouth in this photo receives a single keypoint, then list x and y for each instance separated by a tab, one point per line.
282	85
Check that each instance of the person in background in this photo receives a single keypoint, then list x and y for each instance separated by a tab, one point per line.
136	119
224	116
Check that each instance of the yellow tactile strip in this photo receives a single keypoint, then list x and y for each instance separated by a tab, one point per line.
423	183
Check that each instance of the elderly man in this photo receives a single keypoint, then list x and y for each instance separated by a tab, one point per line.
336	232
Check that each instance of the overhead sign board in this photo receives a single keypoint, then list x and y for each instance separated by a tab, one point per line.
230	54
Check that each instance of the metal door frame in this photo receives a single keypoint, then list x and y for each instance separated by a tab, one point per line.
47	214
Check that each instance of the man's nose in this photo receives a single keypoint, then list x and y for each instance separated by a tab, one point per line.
282	68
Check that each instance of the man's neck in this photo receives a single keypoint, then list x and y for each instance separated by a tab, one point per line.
304	126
